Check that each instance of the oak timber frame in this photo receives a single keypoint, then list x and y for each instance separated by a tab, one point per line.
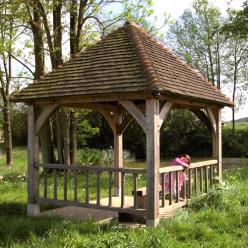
149	115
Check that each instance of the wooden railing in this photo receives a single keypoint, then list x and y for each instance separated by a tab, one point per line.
93	187
199	177
84	185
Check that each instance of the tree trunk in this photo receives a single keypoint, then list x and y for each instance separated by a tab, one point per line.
47	143
218	67
211	64
233	121
8	133
45	134
73	26
234	87
57	30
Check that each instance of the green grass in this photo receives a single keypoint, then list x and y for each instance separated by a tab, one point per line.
238	125
218	219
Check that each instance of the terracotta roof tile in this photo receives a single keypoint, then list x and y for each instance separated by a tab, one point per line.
127	60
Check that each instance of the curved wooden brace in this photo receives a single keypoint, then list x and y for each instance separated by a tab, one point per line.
110	120
202	117
46	112
164	111
212	119
135	112
125	124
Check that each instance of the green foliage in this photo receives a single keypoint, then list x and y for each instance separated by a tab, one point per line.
108	156
238	22
221	197
134	140
19	127
195	37
90	156
235	145
101	157
180	132
84	128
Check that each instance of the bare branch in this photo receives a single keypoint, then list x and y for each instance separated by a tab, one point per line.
16	77
19	61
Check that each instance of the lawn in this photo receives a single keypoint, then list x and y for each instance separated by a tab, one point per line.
219	219
238	125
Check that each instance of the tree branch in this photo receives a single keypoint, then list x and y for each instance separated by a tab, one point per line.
19	61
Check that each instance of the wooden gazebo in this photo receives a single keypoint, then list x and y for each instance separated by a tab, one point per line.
127	75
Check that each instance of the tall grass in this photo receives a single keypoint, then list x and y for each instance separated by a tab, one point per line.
218	219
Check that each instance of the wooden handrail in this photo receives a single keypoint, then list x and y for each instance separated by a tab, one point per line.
93	168
203	163
192	166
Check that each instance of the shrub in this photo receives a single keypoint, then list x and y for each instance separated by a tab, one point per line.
223	197
90	156
108	156
105	157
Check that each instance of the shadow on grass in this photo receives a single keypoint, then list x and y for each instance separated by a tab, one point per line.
17	209
16	225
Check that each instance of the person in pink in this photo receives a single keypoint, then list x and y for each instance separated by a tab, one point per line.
182	160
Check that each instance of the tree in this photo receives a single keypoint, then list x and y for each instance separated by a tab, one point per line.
196	38
199	38
236	71
235	31
48	21
10	31
237	25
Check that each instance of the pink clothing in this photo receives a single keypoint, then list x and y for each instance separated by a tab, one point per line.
182	176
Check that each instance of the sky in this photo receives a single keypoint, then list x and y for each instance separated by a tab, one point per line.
175	8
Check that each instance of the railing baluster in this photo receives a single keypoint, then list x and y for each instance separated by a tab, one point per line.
211	175
170	188
184	188
215	173
65	184
98	188
190	182
177	187
206	178
75	183
87	187
135	190
55	184
110	188
163	189
45	182
201	180
196	181
122	189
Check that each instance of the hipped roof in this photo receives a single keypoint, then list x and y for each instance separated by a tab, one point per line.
126	61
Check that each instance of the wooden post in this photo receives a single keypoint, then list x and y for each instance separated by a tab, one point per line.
114	122
217	140
33	208
118	155
152	161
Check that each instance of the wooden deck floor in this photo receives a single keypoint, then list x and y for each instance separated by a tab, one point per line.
99	215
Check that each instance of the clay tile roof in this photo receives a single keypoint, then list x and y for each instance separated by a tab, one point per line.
127	60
